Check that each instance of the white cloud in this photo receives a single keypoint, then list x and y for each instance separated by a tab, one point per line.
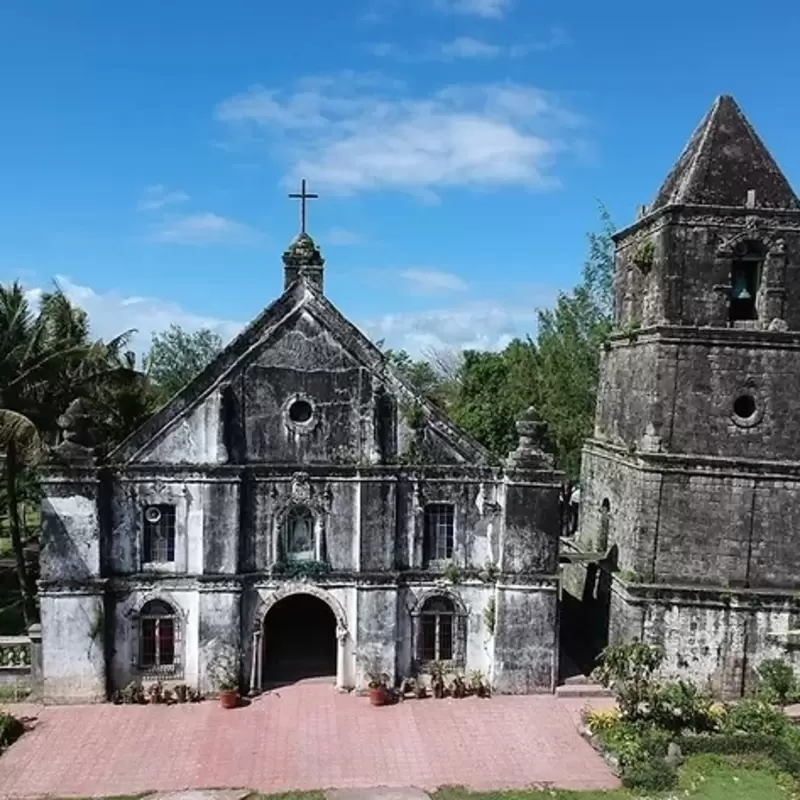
480	325
204	227
476	326
488	9
431	281
359	133
467	47
158	196
111	313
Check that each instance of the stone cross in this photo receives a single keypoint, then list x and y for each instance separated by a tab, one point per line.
302	197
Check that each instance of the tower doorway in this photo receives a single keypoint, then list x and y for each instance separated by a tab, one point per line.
299	640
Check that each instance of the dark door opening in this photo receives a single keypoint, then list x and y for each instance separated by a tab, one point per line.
299	640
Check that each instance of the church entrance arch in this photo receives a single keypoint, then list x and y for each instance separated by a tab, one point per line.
299	640
301	633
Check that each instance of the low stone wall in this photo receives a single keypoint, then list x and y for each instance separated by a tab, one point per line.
21	665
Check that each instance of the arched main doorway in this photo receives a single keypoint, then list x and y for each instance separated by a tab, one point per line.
299	640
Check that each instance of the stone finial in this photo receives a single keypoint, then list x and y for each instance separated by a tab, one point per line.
78	439
303	252
530	452
303	257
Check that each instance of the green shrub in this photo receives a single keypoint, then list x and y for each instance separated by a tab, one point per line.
777	682
633	742
679	706
10	729
628	670
653	775
754	716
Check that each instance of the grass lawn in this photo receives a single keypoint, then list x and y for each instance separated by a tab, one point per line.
703	777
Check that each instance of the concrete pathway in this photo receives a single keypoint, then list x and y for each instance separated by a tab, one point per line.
303	737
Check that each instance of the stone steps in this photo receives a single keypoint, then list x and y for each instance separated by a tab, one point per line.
587	689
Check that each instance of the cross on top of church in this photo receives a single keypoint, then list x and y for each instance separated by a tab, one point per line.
302	196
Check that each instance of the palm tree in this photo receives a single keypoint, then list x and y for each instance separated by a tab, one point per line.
27	356
47	359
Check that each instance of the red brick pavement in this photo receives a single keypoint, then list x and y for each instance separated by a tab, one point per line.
302	737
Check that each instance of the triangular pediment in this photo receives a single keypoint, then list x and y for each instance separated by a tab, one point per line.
723	161
260	352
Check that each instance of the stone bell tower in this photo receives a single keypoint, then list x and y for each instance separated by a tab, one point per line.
693	473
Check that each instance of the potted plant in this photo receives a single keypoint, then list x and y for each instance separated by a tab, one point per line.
378	688
225	672
438	672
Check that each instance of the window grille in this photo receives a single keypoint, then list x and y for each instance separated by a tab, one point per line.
159	638
437	630
439	532
159	536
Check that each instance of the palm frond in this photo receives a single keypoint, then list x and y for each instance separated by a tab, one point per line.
17	428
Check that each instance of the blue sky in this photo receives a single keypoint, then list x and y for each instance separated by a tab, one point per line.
460	147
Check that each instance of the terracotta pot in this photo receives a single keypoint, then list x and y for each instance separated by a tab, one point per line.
229	698
378	696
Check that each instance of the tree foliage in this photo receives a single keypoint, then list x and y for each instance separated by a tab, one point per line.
568	346
557	372
177	356
47	359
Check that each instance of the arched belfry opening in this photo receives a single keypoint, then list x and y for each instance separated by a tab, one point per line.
299	641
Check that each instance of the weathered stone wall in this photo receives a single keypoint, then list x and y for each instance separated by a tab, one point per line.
633	501
525	641
662	509
71	547
219	629
716	639
73	647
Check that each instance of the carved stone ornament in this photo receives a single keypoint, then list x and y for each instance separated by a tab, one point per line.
530	453
303	252
301	488
78	433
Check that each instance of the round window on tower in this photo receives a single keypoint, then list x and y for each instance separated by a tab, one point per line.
300	412
747	411
744	406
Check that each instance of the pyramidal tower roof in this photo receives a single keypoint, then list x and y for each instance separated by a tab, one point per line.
724	159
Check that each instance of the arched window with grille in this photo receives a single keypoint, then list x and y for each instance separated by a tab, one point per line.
158	638
437	629
299	535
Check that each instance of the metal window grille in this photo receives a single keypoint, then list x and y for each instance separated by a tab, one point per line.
159	537
299	535
439	531
158	637
436	641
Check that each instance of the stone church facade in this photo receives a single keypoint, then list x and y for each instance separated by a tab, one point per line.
298	503
691	482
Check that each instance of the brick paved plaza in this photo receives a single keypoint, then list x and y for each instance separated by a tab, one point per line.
302	737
